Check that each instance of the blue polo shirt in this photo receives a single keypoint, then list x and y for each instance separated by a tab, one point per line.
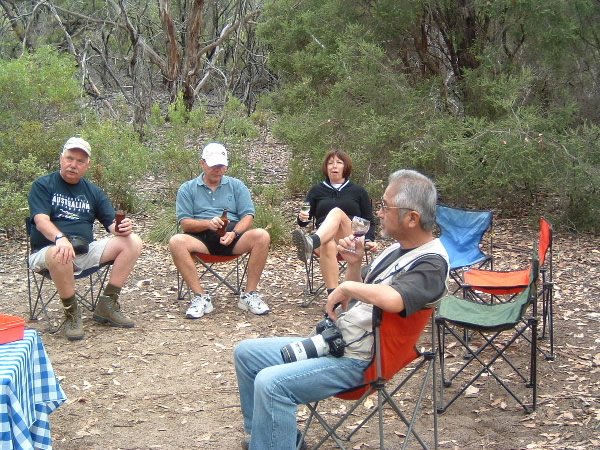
195	200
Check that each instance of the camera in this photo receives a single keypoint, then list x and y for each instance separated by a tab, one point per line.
327	341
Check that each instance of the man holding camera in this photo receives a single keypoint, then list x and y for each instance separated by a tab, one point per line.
63	207
275	375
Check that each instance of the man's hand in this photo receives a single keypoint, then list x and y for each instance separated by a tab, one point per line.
335	299
64	251
227	238
351	249
215	223
371	246
125	228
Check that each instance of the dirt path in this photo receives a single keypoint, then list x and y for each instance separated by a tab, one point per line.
169	383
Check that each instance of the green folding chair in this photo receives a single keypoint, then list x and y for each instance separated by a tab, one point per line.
465	320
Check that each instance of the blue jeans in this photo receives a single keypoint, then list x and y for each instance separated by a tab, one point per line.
270	390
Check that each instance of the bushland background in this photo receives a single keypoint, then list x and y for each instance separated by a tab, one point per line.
497	101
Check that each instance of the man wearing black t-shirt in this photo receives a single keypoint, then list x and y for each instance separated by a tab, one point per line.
63	207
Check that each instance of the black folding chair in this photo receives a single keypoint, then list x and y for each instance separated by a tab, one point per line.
40	295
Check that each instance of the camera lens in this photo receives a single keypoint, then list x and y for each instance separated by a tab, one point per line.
305	349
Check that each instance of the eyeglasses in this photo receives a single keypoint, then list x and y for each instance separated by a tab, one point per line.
381	205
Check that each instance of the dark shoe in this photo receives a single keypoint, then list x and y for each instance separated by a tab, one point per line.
108	310
304	245
73	324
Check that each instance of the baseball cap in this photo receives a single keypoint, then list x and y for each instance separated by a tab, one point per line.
214	154
77	142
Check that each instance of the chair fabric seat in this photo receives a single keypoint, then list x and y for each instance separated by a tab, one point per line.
208	258
497	282
483	316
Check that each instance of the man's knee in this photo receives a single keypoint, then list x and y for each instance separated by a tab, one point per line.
261	237
265	383
55	266
135	243
177	242
241	351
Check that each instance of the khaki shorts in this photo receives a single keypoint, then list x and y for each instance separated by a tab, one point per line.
37	260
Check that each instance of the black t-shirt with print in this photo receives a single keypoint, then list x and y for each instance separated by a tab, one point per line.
71	207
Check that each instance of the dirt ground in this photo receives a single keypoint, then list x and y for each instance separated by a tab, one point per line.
169	382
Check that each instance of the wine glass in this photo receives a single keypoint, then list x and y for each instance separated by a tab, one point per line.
360	226
304	212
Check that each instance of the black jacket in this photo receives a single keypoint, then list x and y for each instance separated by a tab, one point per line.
350	198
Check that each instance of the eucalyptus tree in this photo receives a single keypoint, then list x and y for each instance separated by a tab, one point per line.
142	48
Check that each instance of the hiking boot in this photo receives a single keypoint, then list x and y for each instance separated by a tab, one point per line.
304	245
253	302
73	324
108	310
200	305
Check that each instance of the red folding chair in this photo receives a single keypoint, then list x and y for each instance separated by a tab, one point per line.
395	339
232	276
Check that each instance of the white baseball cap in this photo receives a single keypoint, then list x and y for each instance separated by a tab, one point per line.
215	154
77	142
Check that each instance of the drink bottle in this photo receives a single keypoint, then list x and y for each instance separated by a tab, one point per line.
221	231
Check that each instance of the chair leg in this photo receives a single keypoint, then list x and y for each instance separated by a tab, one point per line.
311	292
486	366
548	318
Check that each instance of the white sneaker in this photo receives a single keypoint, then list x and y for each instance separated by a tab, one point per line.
253	302
200	305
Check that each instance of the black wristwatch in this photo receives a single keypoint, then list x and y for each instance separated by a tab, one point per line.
237	235
58	236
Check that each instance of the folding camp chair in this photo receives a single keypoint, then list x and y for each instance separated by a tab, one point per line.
395	339
313	278
489	321
40	294
499	284
232	276
461	233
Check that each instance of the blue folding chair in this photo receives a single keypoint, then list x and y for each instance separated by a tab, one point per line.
461	233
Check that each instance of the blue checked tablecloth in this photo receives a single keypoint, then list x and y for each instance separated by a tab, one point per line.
29	392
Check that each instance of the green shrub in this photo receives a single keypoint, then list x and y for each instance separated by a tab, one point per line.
271	219
119	160
164	226
235	121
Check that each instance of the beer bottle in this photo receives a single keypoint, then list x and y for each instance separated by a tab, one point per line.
221	231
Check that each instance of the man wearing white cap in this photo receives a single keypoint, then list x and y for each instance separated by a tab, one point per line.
200	203
63	207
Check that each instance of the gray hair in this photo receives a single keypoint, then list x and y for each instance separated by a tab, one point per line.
415	191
